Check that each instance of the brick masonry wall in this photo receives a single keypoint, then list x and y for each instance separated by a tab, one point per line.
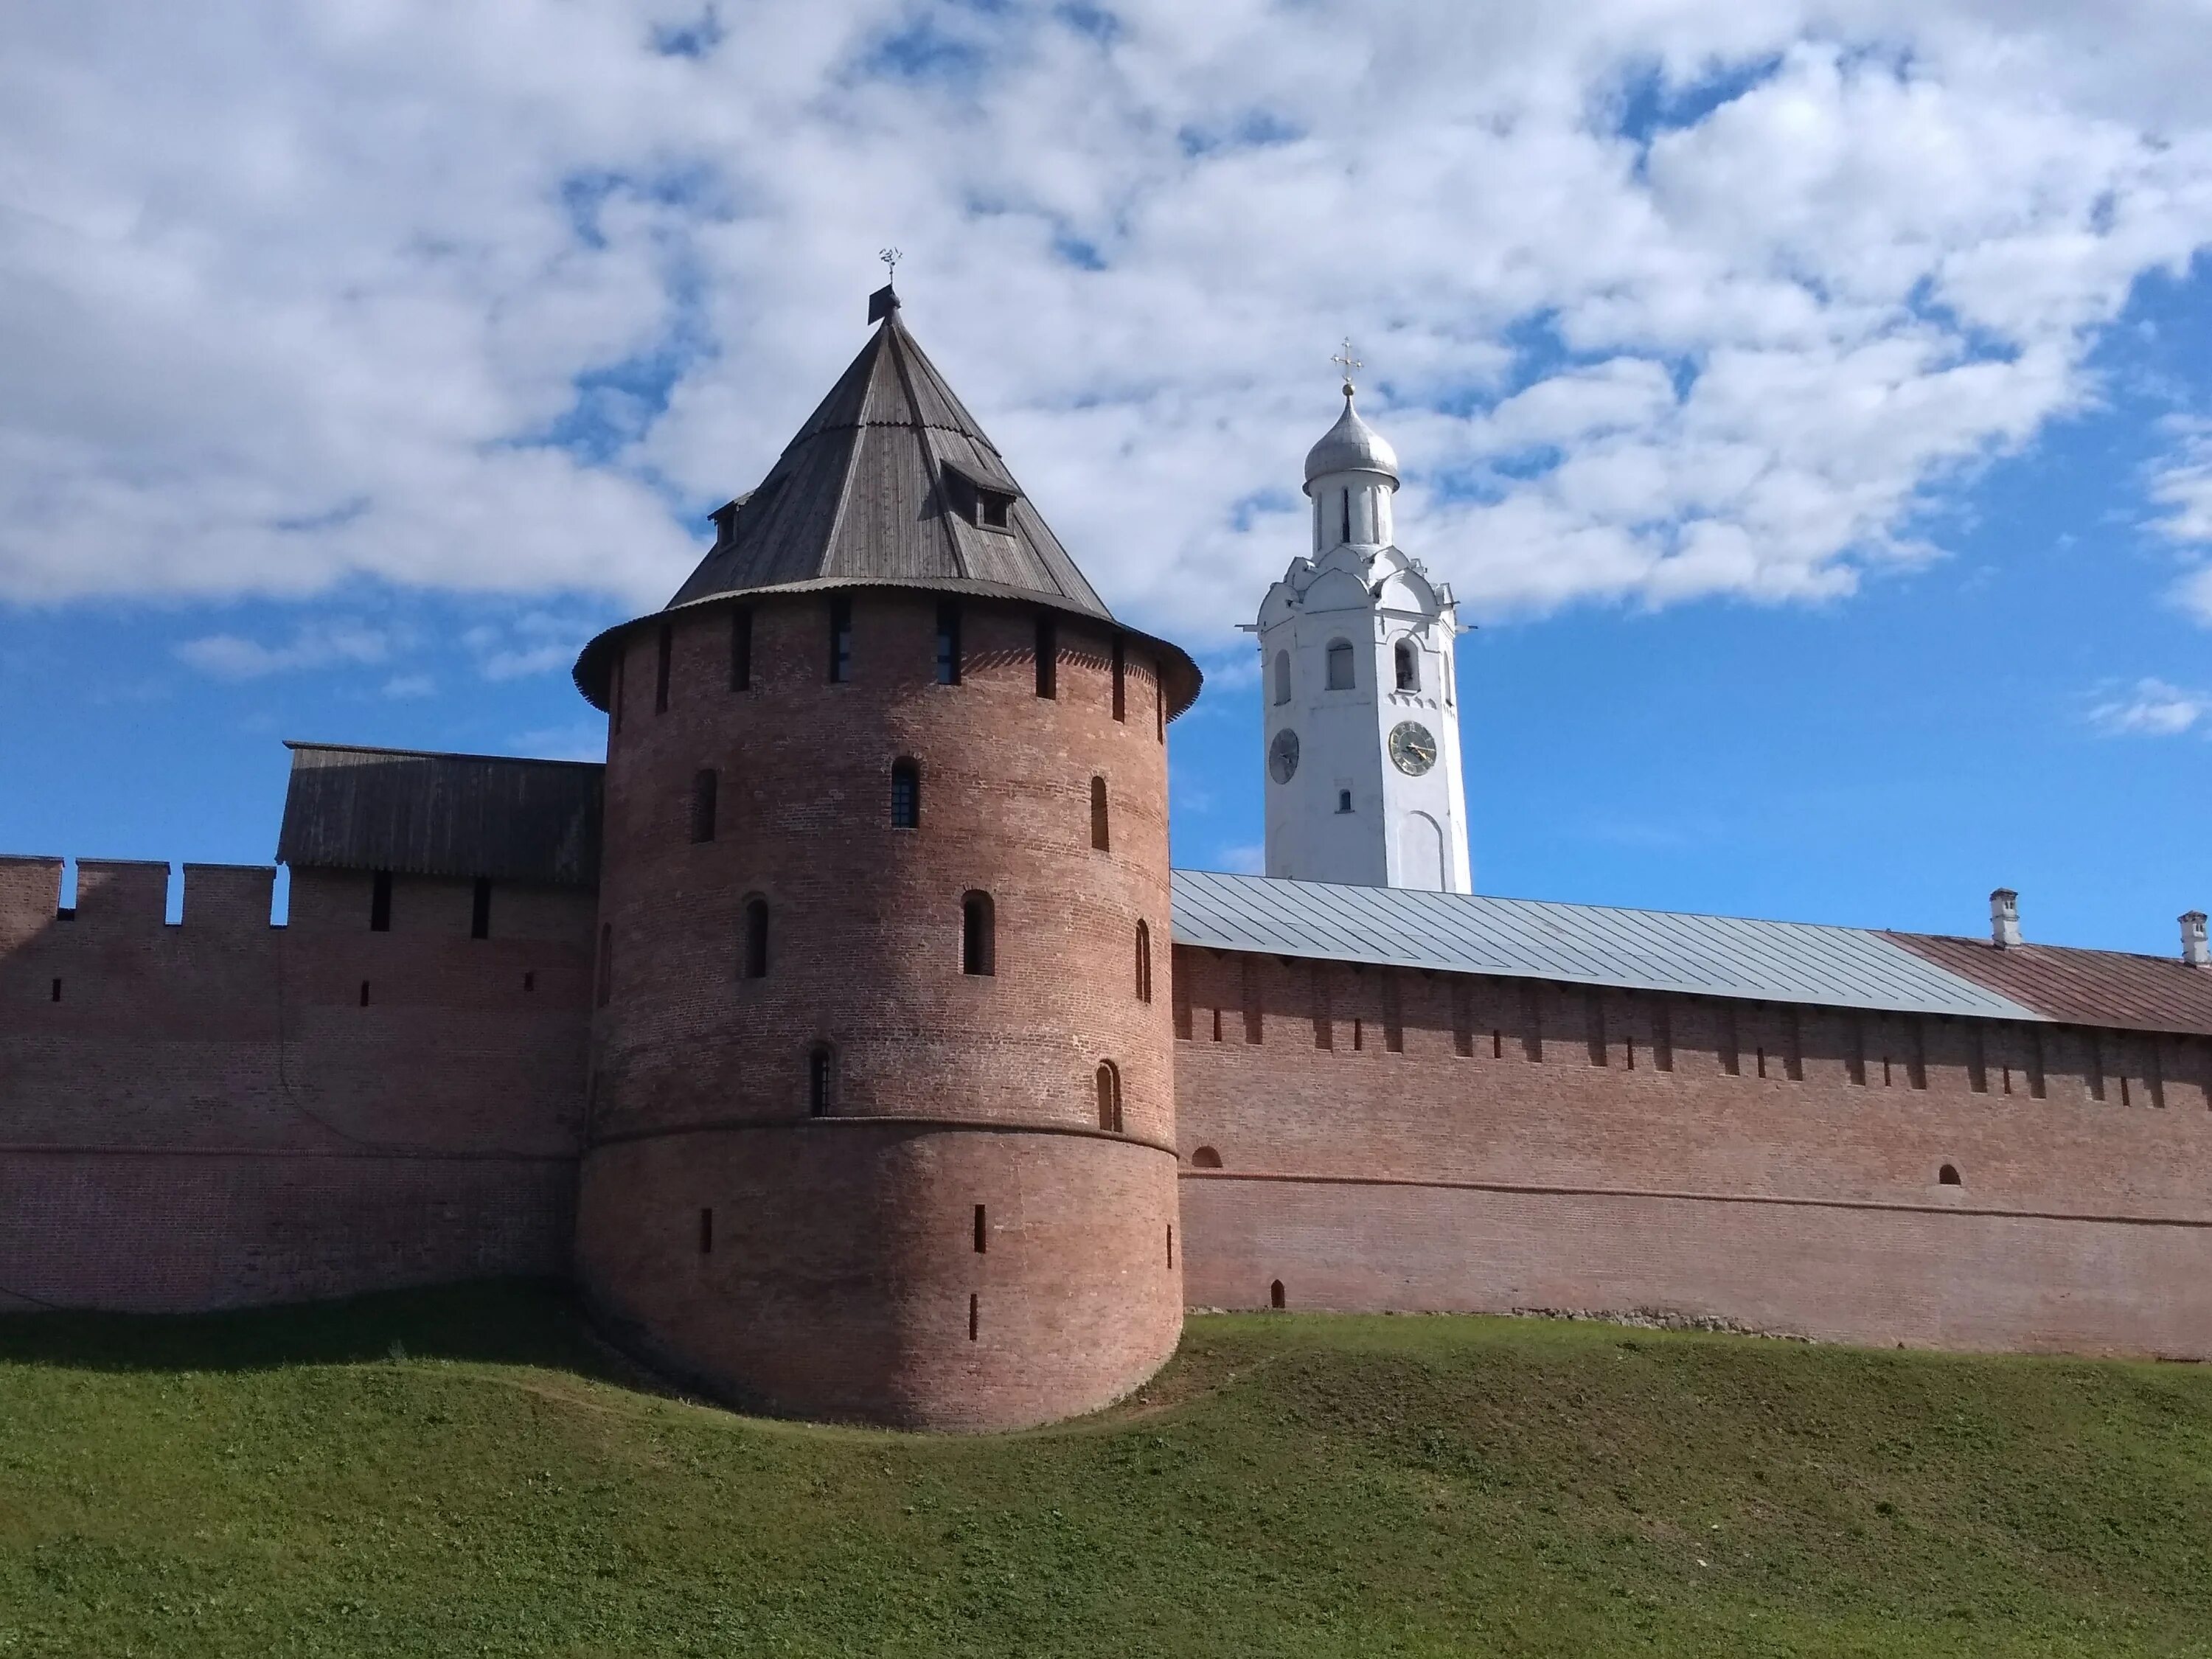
865	956
835	1274
1470	1143
207	1113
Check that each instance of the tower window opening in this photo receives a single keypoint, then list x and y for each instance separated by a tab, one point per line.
1344	499
818	1080
1408	656
975	1315
1098	822
948	641
530	979
1109	1096
1159	706
978	930
364	992
665	651
906	794
1120	675
1344	800
379	902
982	1232
753	964
1275	1293
1340	677
741	648
1282	678
1206	1159
840	639
1144	962
480	909
1048	657
604	992
706	1231
992	507
705	785
1948	1176
1171	1245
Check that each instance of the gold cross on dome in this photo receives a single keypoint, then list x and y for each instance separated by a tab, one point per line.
1348	362
890	257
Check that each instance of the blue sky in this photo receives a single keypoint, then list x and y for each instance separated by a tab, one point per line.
1814	410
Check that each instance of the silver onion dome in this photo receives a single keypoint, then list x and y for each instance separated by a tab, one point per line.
1351	446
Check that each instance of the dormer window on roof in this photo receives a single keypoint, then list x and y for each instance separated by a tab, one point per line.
982	504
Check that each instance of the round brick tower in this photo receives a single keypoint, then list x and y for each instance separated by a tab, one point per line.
883	1114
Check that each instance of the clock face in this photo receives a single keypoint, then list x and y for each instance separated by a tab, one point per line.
1412	748
1283	755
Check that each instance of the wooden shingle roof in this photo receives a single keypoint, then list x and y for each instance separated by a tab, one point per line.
499	815
878	488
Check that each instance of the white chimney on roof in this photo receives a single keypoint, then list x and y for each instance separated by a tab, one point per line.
2004	918
2194	950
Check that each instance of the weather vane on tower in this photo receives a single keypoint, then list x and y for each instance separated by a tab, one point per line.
1349	362
890	257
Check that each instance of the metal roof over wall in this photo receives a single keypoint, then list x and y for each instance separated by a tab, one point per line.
511	819
2079	986
1578	943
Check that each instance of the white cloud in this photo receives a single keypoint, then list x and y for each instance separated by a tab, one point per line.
232	657
2151	709
2181	484
410	685
293	296
532	642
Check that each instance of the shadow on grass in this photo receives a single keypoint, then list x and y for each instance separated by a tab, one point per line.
501	1322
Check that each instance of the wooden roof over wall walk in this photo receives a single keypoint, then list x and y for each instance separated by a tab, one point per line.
501	815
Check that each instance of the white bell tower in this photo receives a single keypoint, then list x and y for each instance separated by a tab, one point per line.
1363	764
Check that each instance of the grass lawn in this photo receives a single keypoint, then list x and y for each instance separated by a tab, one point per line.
461	1471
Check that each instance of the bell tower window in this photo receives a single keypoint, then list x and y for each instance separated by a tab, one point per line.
1408	657
1340	666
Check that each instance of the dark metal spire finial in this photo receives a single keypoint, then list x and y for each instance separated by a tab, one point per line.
884	301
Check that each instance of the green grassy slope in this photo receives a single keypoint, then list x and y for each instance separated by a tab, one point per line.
459	1471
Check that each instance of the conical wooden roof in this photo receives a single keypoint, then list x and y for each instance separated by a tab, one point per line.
884	486
869	491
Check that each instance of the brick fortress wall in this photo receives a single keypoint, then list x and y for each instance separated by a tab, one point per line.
220	1112
956	1240
1395	1139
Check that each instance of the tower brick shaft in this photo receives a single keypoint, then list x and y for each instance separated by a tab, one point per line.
882	1123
